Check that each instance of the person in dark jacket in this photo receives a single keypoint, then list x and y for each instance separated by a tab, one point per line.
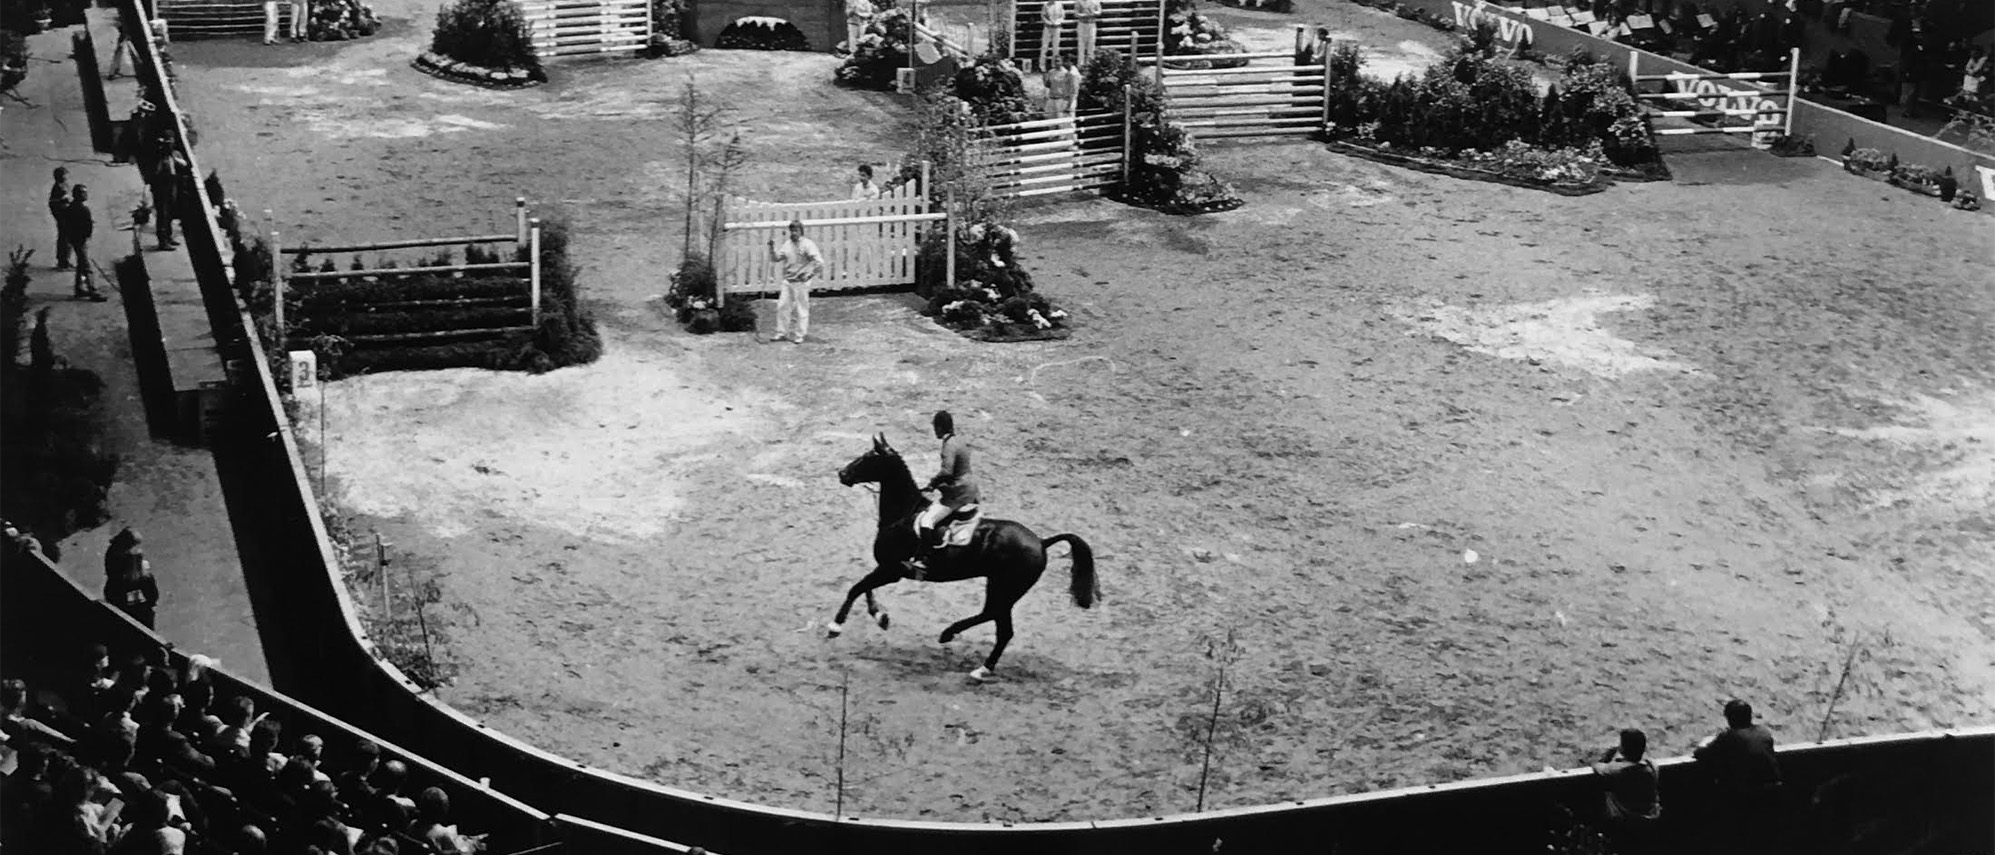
58	203
956	487
165	169
79	224
1746	776
128	580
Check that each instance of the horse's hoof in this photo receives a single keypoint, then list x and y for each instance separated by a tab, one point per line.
833	629
947	637
981	675
883	619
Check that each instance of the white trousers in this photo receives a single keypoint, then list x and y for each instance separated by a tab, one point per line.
854	31
269	21
1084	32
301	16
1049	45
793	310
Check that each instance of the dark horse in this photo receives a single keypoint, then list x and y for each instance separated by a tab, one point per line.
1009	555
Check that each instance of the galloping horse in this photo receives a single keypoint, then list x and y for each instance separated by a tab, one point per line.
1007	553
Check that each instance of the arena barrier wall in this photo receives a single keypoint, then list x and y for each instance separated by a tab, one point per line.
1933	785
1829	127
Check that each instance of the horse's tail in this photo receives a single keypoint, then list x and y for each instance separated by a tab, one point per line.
1086	589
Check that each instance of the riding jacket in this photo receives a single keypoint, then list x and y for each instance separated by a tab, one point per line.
957	485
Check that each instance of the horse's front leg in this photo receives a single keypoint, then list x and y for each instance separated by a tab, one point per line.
879	614
879	576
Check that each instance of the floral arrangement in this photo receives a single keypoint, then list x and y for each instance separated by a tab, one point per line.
1867	159
1188	33
1966	202
482	41
761	33
1915	175
1548	166
694	298
993	298
340	20
993	89
1165	171
882	52
1786	145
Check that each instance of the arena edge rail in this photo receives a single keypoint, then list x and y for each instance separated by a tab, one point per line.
320	652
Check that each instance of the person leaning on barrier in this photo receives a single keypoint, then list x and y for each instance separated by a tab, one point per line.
1745	774
1630	806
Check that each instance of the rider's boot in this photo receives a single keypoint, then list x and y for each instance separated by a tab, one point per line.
924	553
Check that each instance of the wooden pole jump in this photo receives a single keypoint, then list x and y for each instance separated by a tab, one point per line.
949	239
1793	86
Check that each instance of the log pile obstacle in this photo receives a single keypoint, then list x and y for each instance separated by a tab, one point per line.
1272	95
1714	97
586	27
519	300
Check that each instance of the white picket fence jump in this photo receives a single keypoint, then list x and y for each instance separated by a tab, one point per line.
1269	96
586	27
867	243
1080	153
1737	95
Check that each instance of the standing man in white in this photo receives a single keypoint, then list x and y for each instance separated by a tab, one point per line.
1052	19
801	264
1086	13
857	14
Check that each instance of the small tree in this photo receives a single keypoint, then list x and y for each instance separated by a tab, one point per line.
488	34
710	161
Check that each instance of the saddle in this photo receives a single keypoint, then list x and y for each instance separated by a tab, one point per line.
960	527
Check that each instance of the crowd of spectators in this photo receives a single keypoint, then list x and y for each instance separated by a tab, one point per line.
140	759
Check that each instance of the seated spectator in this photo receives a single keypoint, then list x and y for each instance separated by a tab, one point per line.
196	722
238	716
249	840
1740	760
85	699
432	808
387	783
152	830
263	739
21	729
329	837
312	748
87	824
117	733
353	786
1630	806
158	740
27	798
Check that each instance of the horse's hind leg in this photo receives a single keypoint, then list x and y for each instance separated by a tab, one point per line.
997	649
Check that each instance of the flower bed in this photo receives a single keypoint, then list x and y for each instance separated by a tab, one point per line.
1924	180
482	42
1190	34
341	20
1564	180
437	65
994	299
695	303
881	53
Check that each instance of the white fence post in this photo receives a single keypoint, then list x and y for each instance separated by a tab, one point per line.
277	284
534	276
519	224
1793	88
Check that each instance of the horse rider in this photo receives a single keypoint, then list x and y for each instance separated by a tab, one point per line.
957	490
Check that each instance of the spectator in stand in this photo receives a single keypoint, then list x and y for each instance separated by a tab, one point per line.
1741	762
312	748
1912	60
80	224
249	840
196	722
432	808
117	733
354	789
27	798
58	201
88	824
238	716
128	581
152	831
387	783
1973	73
1630	807
264	759
19	727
